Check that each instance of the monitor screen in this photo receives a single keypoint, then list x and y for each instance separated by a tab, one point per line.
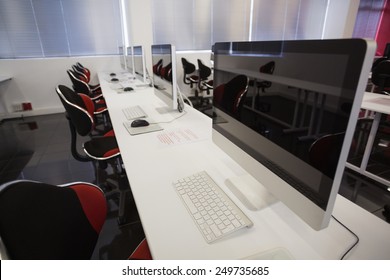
164	73
276	100
130	60
139	63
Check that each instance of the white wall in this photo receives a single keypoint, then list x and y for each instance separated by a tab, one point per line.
34	80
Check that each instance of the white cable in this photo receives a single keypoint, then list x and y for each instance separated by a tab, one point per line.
181	95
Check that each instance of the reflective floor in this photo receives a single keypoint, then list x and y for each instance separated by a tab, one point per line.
38	148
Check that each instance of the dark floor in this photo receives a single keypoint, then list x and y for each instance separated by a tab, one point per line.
38	148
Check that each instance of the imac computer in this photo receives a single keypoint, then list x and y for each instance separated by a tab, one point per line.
314	91
139	63
164	74
130	60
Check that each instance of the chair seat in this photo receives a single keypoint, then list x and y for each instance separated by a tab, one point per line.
102	148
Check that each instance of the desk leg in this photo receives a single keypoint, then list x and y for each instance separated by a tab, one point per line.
301	127
370	141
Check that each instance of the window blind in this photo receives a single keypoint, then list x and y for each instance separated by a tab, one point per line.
48	28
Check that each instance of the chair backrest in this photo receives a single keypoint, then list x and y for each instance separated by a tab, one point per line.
78	85
43	221
324	152
79	109
188	67
166	72
157	67
267	68
204	70
381	75
84	69
231	95
78	73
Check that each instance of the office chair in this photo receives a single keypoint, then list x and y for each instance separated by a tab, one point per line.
267	68
80	114
188	73
230	96
101	149
157	67
190	78
85	75
166	72
380	77
39	221
323	153
81	86
204	83
84	69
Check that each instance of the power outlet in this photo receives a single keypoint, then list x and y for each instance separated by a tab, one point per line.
17	107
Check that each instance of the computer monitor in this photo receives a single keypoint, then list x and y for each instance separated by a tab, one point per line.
130	60
314	89
164	74
139	63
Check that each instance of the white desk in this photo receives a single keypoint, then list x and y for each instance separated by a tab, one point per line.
379	104
152	166
4	78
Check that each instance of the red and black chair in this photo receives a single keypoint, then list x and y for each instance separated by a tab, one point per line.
82	86
166	72
80	113
101	149
85	75
157	68
40	221
230	96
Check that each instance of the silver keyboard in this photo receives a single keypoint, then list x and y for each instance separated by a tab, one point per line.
134	112
215	214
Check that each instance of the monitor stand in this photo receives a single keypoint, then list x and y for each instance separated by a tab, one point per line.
250	192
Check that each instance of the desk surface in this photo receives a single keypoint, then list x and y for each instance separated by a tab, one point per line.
152	165
4	78
376	102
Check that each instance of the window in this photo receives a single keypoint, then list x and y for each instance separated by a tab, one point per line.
367	19
197	24
288	19
51	28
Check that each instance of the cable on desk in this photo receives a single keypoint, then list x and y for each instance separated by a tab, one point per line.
354	234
